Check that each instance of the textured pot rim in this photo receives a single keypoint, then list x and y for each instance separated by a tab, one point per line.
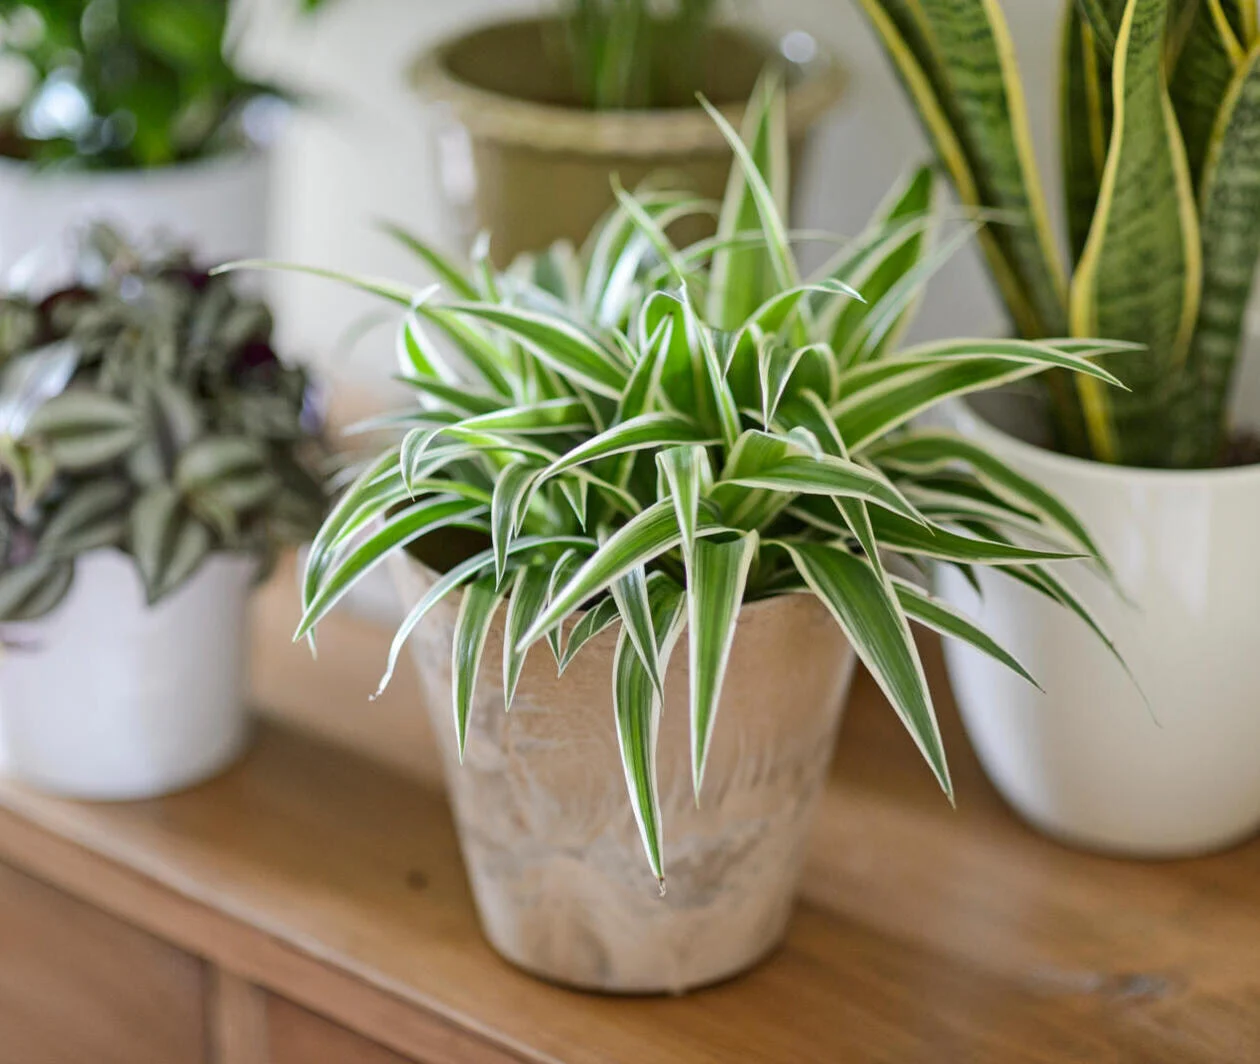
1088	469
647	133
237	160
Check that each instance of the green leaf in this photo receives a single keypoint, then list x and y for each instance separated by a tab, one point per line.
525	603
943	618
472	625
1139	276
716	578
28	592
647	431
639	541
83	429
637	704
1085	122
574	353
92	516
876	626
443	269
1202	77
600	617
831	476
630	593
897	534
213	459
1231	242
745	507
566	565
756	199
687	475
510	492
168	543
397	531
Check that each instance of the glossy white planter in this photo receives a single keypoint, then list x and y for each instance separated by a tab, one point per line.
109	699
1088	761
218	207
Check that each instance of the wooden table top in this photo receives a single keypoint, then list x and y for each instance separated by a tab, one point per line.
924	935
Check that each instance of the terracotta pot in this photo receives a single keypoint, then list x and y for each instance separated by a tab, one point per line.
559	874
533	168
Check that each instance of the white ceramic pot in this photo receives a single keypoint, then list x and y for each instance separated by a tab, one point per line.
217	206
557	869
109	699
1088	761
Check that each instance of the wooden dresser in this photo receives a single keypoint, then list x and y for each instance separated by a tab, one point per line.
309	907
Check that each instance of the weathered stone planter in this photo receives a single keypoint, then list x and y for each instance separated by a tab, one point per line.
553	854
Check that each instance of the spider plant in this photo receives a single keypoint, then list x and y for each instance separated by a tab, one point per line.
649	437
635	53
1159	150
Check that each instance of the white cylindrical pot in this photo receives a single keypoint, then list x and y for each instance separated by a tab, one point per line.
218	207
108	699
561	882
1089	761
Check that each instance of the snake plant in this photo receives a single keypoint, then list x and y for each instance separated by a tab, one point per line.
649	436
1160	144
143	409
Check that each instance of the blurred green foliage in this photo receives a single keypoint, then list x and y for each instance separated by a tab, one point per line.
122	83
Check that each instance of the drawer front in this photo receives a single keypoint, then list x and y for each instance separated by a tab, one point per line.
295	1036
78	985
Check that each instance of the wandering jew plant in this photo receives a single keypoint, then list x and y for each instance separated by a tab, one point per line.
649	437
143	409
1160	149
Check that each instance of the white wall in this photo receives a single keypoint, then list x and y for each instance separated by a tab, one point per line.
363	153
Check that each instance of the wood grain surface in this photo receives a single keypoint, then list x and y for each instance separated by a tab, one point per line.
924	936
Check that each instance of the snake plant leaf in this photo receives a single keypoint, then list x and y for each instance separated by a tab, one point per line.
396	532
947	621
978	57
1204	70
756	199
477	608
1103	20
167	541
885	268
30	591
630	593
688	474
92	516
1139	277
571	351
1085	116
637	705
442	268
84	429
1230	227
896	533
599	618
716	580
876	626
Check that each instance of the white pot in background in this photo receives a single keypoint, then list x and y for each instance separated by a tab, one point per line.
217	206
109	699
1088	761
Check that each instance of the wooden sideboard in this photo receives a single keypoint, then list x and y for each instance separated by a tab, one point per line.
309	907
